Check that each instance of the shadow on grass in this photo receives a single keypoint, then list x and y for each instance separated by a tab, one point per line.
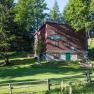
71	78
19	54
18	61
20	70
23	61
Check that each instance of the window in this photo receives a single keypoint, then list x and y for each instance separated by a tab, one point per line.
55	37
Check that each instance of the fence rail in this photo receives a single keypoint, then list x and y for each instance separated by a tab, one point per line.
34	87
26	86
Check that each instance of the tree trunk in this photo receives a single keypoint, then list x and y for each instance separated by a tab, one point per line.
87	41
86	48
7	62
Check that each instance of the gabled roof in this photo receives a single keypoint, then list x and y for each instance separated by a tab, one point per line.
55	24
64	28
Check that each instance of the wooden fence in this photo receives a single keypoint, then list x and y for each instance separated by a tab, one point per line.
34	87
29	86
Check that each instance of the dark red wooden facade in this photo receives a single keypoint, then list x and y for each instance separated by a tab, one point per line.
60	38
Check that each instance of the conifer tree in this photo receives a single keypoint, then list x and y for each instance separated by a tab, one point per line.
55	14
30	14
6	27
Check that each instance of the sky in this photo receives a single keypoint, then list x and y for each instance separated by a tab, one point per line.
50	3
61	3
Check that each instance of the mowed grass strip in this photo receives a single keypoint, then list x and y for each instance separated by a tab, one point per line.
26	69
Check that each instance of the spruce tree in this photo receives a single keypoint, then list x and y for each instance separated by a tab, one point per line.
29	17
55	14
30	14
6	27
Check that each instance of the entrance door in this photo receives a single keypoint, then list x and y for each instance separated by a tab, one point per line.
68	56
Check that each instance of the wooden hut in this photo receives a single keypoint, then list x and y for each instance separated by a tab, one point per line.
60	42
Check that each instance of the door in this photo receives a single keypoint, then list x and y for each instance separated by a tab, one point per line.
68	56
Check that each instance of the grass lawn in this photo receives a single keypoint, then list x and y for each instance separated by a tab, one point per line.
25	69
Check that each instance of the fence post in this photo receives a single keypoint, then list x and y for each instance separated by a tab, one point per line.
70	89
49	85
10	88
62	86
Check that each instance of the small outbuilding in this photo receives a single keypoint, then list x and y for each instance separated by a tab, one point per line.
60	42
